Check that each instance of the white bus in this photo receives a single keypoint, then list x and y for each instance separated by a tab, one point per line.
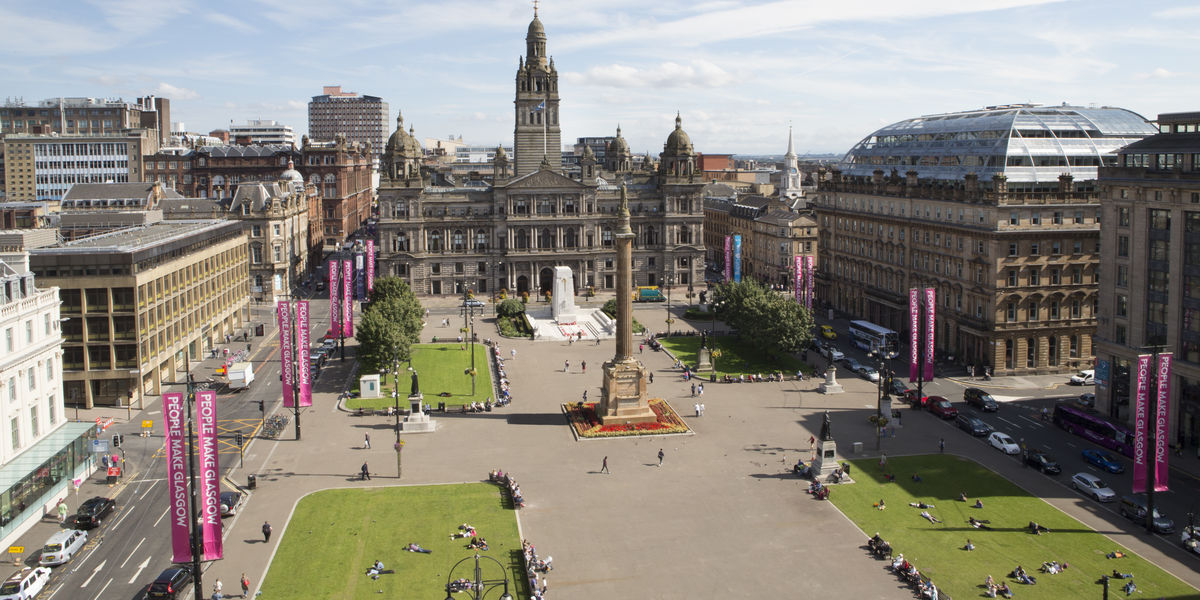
876	340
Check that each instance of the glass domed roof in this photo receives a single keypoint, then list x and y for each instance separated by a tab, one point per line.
1025	142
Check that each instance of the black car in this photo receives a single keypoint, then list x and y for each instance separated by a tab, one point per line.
972	425
980	399
171	583
1042	462
898	388
230	503
91	513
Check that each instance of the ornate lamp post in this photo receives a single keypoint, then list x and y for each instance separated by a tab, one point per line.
479	587
670	281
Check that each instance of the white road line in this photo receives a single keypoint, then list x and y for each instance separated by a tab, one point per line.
141	567
106	584
143	496
119	521
1009	422
160	518
94	571
1035	423
139	545
1072	445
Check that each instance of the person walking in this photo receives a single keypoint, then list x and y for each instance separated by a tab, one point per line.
245	585
366	441
702	409
652	381
693	390
700	390
513	353
697	407
366	473
942	445
566	366
266	529
882	461
660	456
604	466
585	395
583	366
217	588
62	511
641	348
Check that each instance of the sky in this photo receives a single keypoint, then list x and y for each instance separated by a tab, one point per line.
739	73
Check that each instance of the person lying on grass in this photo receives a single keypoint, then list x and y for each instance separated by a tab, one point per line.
978	523
416	548
929	517
920	505
464	530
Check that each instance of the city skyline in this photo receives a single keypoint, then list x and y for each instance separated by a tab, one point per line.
738	72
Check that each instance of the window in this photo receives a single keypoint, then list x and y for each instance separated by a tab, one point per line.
16	432
32	376
1077	275
1079	217
1012	312
1035	218
28	332
1012	249
46	324
1052	350
1074	346
1122	306
435	268
8	339
1160	219
1058	217
1077	247
1054	309
1012	278
1035	276
1123	246
256	254
1035	249
1014	218
49	370
33	421
256	231
1030	352
1056	248
1055	276
50	414
277	229
1123	216
1076	309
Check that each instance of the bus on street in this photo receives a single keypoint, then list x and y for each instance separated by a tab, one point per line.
876	340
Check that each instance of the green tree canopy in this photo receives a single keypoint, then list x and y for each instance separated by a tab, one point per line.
510	308
391	323
757	313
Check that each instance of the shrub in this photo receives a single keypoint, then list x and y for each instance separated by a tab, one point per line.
510	308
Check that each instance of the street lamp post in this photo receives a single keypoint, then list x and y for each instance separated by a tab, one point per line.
478	587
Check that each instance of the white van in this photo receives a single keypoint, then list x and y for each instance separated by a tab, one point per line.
1086	377
62	546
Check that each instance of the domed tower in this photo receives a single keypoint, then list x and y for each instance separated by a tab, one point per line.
500	164
536	133
292	178
402	156
678	157
617	157
587	165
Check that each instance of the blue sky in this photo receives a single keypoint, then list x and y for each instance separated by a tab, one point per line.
739	72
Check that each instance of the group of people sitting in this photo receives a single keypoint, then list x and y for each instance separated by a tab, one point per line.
1130	587
820	492
1054	567
994	588
879	546
1020	575
375	570
757	377
909	573
503	398
465	531
534	566
459	585
501	478
476	407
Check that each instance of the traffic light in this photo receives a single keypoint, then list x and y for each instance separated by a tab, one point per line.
261	408
237	437
117	439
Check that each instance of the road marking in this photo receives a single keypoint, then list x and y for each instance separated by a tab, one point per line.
1035	423
139	545
1009	422
119	521
1072	445
152	482
141	567
160	518
94	571
106	584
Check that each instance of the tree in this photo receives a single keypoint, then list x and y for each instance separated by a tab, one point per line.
382	340
392	295
510	308
764	316
610	308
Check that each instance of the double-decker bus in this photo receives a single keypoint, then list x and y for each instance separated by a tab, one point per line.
1091	427
876	340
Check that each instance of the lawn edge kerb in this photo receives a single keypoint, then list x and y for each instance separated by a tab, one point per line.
939	553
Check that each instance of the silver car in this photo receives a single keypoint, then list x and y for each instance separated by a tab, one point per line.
1093	486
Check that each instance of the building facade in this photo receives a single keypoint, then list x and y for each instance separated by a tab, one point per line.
141	302
362	119
537	136
771	233
260	131
1149	261
87	117
341	171
1015	263
44	167
443	238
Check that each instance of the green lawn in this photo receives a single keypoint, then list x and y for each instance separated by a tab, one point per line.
737	356
335	535
440	368
937	551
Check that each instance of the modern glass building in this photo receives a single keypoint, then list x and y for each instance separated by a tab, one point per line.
1029	144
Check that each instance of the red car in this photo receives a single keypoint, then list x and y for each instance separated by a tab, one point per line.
941	407
910	396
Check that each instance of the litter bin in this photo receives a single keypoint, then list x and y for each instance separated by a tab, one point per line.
857	447
251	481
258	330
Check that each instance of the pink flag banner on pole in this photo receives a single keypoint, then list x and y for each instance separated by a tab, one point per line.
728	258
798	278
335	292
303	374
285	351
347	299
1160	422
210	474
808	281
930	312
914	334
370	265
174	417
1141	423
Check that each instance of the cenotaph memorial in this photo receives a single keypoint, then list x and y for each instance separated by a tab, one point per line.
564	319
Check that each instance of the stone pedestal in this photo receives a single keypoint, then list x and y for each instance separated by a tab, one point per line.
418	420
827	459
704	360
623	394
830	386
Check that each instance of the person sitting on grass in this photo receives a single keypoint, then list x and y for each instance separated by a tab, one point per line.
1129	588
920	505
416	548
464	530
1036	529
881	505
479	543
1115	554
1004	590
929	517
962	496
1051	567
1119	575
1023	577
978	503
375	569
969	547
916	478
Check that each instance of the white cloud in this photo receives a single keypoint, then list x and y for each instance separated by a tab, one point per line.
139	17
167	90
1157	73
696	74
227	21
32	36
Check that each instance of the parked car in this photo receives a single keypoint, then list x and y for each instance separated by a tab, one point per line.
832	353
62	546
1103	460
171	583
1042	462
898	387
1087	400
1093	486
972	425
942	407
828	333
980	399
24	584
472	302
91	513
1190	538
910	396
230	503
1084	377
1133	507
850	364
1003	443
868	373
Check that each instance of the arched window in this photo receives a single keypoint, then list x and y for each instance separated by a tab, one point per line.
435	241
400	242
458	240
315	179
685	235
1030	352
521	238
570	238
546	239
481	239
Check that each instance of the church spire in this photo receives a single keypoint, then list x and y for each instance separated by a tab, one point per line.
790	152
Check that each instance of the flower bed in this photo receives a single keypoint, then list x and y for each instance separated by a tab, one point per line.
588	425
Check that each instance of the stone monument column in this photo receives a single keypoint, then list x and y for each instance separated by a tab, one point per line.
623	393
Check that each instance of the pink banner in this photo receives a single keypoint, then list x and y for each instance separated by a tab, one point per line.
174	417
914	334
303	376
798	278
370	265
808	282
1160	422
930	312
1141	418
728	258
210	474
335	292
283	309
347	299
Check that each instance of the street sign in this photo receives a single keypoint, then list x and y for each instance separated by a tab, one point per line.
100	446
16	549
147	424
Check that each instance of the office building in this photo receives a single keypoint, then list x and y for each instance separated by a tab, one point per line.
43	167
362	119
997	210
1150	259
341	171
262	132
